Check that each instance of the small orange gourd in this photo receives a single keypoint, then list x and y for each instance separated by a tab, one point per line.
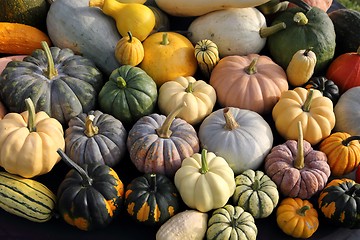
129	50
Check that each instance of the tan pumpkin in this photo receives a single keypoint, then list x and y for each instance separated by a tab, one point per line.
129	50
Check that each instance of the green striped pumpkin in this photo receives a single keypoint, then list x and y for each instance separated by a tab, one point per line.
26	198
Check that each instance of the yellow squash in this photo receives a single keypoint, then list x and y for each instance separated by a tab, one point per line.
129	50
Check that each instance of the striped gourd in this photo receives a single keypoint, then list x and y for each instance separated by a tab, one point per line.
207	56
26	198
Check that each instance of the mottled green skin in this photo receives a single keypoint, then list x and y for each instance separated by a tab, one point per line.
131	102
64	96
318	33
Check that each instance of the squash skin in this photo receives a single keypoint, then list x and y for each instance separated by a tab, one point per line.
326	86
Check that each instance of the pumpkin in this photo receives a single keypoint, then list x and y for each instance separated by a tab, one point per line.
28	142
129	50
207	56
158	143
301	67
297	169
322	4
205	181
129	94
95	137
326	86
225	132
199	96
297	217
90	196
256	193
347	112
59	82
308	106
342	151
306	27
338	202
151	199
345	70
252	82
174	55
231	222
137	18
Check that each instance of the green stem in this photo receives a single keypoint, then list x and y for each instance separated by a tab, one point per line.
90	128
267	31
164	131
300	18
204	164
308	100
121	83
256	184
51	70
189	88
165	39
299	160
31	114
251	69
231	123
302	211
130	37
153	185
347	141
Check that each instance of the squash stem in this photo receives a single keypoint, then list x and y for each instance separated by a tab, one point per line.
189	88
251	69
300	18
96	3
51	70
306	52
121	83
90	128
153	185
165	39
308	100
87	181
164	131
346	142
302	211
31	114
256	184
267	31
231	123
299	160
204	164
130	36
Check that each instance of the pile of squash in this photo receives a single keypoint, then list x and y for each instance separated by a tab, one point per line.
197	118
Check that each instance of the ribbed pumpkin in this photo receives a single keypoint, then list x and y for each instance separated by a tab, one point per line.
95	137
252	82
152	199
207	56
90	196
129	50
327	87
158	143
59	82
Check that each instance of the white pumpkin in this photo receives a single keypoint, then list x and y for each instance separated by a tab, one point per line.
242	137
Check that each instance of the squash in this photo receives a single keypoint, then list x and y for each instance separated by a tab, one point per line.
26	198
322	4
90	196
252	82
174	55
59	82
326	86
207	56
158	143
301	67
347	112
297	217
18	38
28	142
297	169
199	96
137	18
338	203
68	23
129	94
205	181
5	60
231	222
256	193
245	32
188	8
186	225
344	70
95	137
225	132
342	151
308	106
129	50
151	199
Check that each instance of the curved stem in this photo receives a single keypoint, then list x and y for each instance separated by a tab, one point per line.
308	100
164	131
31	114
302	211
204	164
231	123
90	128
347	141
267	31
130	37
121	83
299	160
251	69
51	70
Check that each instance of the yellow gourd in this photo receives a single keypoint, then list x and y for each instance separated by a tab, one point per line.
129	50
134	17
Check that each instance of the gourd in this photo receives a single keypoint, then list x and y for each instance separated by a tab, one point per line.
151	199
186	225
188	8
59	82
28	142
174	55
18	38
308	106
297	217
129	94
68	23
26	198
326	86
342	151
226	133
95	137
231	222
256	193
199	96
137	18
301	67
208	190
252	82
5	60
207	56
90	196
158	144
338	203
129	50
